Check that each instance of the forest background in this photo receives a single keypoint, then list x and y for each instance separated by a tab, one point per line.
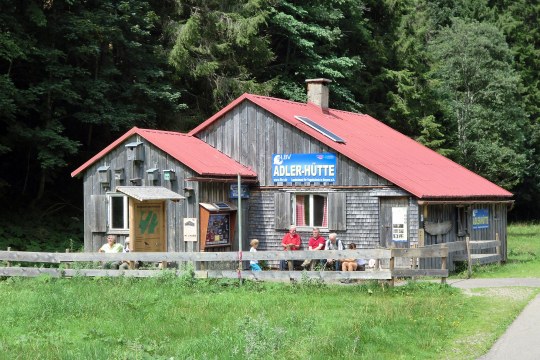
461	77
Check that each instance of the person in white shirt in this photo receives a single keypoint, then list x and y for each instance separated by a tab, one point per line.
125	263
254	264
333	243
111	247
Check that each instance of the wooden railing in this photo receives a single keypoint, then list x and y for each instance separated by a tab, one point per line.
377	273
471	258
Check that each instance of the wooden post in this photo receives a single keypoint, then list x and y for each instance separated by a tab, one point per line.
9	262
202	264
469	260
414	263
392	261
498	249
421	232
290	265
443	267
67	264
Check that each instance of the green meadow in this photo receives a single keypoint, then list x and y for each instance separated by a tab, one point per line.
169	317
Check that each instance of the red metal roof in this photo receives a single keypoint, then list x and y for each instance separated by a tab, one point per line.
379	148
191	151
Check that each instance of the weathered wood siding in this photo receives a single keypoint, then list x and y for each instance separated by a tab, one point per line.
497	224
263	134
361	209
438	213
95	207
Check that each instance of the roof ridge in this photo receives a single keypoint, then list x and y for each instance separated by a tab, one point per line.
165	132
276	99
306	104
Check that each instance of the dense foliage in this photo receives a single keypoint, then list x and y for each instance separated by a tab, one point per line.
461	77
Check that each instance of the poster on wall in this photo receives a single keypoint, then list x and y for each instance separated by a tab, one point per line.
480	219
190	229
218	232
148	231
292	168
399	224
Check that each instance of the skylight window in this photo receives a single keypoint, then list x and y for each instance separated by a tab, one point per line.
312	124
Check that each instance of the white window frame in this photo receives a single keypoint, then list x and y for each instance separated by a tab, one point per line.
110	213
309	222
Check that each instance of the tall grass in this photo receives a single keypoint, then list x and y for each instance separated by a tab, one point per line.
182	318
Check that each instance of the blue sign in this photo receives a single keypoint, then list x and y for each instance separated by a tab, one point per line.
480	219
304	168
233	191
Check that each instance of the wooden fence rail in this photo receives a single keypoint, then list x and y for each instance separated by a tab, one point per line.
468	246
376	274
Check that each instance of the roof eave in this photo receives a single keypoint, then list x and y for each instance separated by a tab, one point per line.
99	155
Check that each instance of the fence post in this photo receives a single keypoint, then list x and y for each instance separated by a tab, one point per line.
9	262
498	249
469	260
414	262
443	267
67	264
202	264
392	262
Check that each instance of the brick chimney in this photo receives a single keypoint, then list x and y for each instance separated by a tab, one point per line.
317	92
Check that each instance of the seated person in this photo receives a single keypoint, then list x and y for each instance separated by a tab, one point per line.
291	241
316	242
353	264
111	247
333	243
125	264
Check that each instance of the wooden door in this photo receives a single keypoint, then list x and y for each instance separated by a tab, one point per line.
394	222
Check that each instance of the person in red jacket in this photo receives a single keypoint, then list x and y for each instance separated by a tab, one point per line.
316	242
291	241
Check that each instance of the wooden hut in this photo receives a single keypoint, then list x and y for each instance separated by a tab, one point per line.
310	165
137	186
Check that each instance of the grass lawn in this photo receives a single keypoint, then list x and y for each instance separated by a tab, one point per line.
182	318
523	255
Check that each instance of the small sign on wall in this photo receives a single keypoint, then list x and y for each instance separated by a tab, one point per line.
190	229
399	224
233	191
480	219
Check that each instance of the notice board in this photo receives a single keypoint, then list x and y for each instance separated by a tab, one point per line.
147	226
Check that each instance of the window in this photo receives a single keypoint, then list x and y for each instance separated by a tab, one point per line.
118	212
310	210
